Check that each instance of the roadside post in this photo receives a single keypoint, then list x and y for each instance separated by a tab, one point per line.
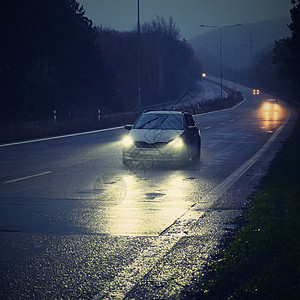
99	116
54	115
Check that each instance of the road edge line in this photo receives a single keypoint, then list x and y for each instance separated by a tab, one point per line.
59	137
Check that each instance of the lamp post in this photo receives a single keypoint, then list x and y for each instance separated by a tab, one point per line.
221	62
139	59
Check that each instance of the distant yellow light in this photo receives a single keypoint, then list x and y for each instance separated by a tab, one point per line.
203	75
127	141
267	106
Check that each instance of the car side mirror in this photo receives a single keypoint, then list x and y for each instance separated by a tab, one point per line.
128	127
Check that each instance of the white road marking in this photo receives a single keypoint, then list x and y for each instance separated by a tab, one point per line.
208	127
26	177
221	110
221	123
59	137
231	179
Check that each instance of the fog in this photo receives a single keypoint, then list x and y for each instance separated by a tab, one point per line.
122	14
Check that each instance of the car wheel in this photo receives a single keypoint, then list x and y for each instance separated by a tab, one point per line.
197	155
127	162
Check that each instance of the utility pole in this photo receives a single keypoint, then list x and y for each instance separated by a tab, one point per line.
139	60
221	62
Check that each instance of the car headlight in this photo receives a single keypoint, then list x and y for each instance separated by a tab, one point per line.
178	142
127	141
267	106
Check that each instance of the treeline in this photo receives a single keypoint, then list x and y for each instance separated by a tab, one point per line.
53	58
277	69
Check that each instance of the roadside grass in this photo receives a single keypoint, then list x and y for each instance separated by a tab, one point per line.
40	129
263	260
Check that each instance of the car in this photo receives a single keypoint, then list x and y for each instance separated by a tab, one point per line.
170	136
255	92
271	105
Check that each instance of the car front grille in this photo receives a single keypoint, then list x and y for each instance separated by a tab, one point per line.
149	145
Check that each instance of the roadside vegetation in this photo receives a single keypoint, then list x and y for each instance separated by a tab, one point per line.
39	129
262	261
52	57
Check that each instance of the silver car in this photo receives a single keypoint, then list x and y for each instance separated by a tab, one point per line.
162	136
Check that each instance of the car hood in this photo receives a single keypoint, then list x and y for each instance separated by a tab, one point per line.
154	135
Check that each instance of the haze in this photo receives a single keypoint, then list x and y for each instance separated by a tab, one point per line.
188	14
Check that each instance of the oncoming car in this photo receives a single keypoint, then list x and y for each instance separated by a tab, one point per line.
271	105
162	136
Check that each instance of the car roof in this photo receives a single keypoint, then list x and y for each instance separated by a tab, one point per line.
164	112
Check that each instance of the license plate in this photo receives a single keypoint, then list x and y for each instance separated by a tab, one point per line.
149	152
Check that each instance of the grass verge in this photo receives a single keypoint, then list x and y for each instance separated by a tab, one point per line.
31	130
263	260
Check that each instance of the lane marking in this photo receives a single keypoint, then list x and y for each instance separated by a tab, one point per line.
221	123
26	177
232	179
59	137
208	127
224	109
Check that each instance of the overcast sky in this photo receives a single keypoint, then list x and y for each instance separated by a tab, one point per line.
187	14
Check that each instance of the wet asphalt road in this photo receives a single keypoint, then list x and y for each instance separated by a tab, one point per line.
76	223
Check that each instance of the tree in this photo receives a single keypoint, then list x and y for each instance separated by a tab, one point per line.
48	58
169	66
287	51
51	57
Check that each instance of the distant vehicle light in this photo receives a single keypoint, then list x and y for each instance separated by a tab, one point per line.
203	75
255	92
127	141
178	142
267	106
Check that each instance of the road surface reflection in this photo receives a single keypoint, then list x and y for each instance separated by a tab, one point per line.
143	205
271	116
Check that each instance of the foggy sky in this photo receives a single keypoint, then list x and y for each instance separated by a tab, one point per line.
187	14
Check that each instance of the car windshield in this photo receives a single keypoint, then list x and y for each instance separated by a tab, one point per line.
159	121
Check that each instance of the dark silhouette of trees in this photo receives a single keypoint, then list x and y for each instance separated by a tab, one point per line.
287	51
168	64
52	57
47	58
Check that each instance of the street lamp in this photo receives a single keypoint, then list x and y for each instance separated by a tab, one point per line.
221	63
139	59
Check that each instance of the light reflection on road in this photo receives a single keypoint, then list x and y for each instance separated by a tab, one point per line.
271	116
140	211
